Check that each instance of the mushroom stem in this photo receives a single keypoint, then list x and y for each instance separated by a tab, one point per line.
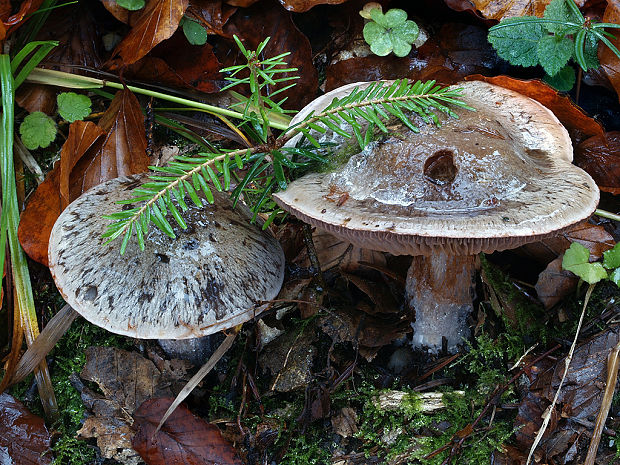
440	288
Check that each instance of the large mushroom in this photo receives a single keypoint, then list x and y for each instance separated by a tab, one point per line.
490	180
209	278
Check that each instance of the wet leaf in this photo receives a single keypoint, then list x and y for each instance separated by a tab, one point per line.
579	400
73	107
569	114
183	439
113	438
212	15
555	283
157	22
600	157
82	135
300	6
36	97
608	59
24	439
123	149
493	9
11	23
37	130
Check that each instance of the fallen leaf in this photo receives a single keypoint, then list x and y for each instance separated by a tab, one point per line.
569	114
554	283
124	377
212	15
579	400
37	220
12	23
121	152
24	439
267	19
183	439
82	135
242	3
113	438
600	157
36	97
301	6
345	422
608	59
158	21
498	10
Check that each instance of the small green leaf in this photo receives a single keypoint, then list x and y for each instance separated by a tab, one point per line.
554	52
590	51
517	42
558	10
37	130
72	106
390	32
564	80
131	5
615	276
576	260
611	258
194	32
394	17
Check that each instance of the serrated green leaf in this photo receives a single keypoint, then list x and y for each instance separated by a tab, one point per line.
37	130
564	80
517	43
72	106
576	261
611	258
553	53
131	5
559	10
194	32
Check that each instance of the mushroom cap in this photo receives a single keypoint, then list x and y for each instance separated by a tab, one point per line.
207	279
491	180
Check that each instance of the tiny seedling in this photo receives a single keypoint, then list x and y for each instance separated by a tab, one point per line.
389	32
562	34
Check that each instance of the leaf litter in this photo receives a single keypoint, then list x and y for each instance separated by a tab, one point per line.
324	351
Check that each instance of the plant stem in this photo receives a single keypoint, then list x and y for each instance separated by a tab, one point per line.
58	78
10	219
606	214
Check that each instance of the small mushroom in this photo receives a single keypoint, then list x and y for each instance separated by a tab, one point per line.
208	279
490	180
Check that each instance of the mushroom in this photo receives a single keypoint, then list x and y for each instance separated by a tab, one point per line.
208	279
490	180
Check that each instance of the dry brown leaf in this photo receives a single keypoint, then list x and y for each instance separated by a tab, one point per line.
24	439
554	283
609	61
212	15
569	114
600	157
82	135
184	438
113	438
10	24
158	21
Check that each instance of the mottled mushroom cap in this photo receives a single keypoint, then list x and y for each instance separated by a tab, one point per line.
491	180
207	279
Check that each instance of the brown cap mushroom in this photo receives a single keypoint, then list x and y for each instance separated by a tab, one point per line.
491	180
207	279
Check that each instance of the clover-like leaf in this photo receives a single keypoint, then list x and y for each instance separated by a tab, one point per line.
576	260
390	32
72	106
37	130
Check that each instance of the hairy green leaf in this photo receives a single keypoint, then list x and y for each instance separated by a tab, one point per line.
37	130
72	106
563	80
559	10
554	53
518	42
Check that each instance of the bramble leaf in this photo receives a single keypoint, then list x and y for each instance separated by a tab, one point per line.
194	32
554	53
563	80
576	260
37	130
558	10
72	106
131	5
518	43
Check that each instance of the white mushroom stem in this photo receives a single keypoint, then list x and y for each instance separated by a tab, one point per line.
440	289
